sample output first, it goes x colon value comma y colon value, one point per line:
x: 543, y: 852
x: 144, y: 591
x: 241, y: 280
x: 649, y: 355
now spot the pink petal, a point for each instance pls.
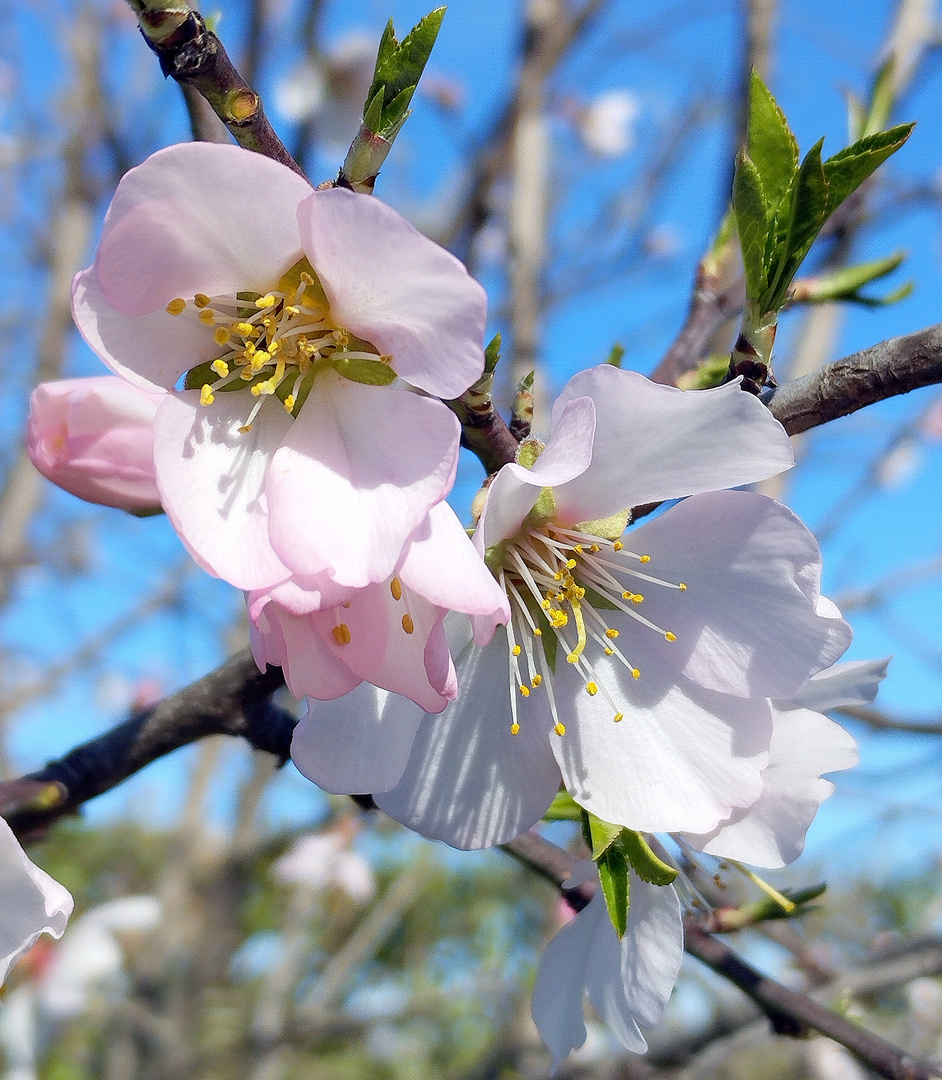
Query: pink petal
x: 150, y: 351
x: 356, y: 475
x: 393, y: 287
x: 656, y: 442
x: 198, y: 217
x: 212, y: 479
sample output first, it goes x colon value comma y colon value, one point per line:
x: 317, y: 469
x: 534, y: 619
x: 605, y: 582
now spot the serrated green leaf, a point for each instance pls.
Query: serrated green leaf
x: 848, y: 169
x: 613, y: 874
x: 807, y: 211
x: 644, y: 862
x: 602, y: 834
x: 844, y: 284
x: 492, y: 353
x: 772, y: 146
x: 753, y: 222
x: 396, y: 113
x: 373, y: 113
x: 400, y: 65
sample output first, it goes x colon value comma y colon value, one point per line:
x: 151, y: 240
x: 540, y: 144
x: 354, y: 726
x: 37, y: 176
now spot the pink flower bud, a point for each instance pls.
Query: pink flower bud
x: 95, y: 438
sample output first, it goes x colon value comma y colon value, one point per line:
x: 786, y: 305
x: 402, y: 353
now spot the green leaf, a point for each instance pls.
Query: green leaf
x: 644, y: 862
x: 373, y: 113
x: 881, y: 99
x: 548, y: 638
x: 613, y: 874
x: 846, y: 283
x: 492, y: 353
x: 396, y: 113
x: 399, y: 66
x: 771, y: 144
x: 847, y: 170
x: 807, y: 210
x: 563, y: 808
x: 753, y: 222
x: 602, y: 834
x: 368, y: 372
x: 616, y: 355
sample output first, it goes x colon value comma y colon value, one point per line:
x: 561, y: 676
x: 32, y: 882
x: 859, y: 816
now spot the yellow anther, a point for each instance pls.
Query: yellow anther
x: 207, y: 397
x: 245, y: 329
x: 595, y: 549
x: 221, y: 335
x: 572, y: 658
x: 682, y: 587
x: 617, y: 546
x: 627, y: 596
x: 638, y: 598
x: 407, y: 624
x: 201, y: 300
x: 571, y: 564
x: 395, y: 587
x: 545, y: 605
x: 525, y: 691
x: 265, y: 301
x: 591, y: 689
x: 537, y: 679
x: 245, y: 429
x: 516, y: 650
x: 611, y: 633
x: 578, y: 549
x: 537, y: 632
x: 645, y: 558
x: 290, y: 309
x: 618, y: 717
x: 341, y: 634
x: 560, y: 728
x: 176, y: 306
x: 207, y: 316
x: 514, y: 729
x: 260, y: 359
x: 635, y: 673
x: 306, y: 278
x: 670, y: 637
x: 558, y: 576
x: 220, y: 367
x: 609, y: 652
x: 289, y: 403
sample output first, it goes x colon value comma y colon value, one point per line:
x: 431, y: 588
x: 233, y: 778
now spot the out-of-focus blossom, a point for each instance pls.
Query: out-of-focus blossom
x: 628, y: 982
x: 330, y: 89
x: 289, y: 313
x: 95, y: 438
x: 607, y: 124
x: 390, y: 634
x: 653, y: 707
x: 326, y: 860
x: 90, y: 959
x: 31, y: 903
x: 899, y: 466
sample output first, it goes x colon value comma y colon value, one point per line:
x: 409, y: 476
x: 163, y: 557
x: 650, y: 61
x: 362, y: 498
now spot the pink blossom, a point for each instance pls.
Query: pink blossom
x: 95, y: 438
x: 330, y: 639
x: 289, y: 312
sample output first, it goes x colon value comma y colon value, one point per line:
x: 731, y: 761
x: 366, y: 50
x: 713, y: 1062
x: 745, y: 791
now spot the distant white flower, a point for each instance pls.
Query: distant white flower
x: 628, y: 982
x: 607, y: 124
x: 321, y: 860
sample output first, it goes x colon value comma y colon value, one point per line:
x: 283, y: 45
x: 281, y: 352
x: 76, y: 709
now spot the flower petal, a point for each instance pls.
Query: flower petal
x: 212, y: 478
x: 150, y: 351
x: 681, y: 754
x: 31, y: 902
x: 771, y: 832
x: 358, y: 744
x: 470, y: 782
x: 198, y: 217
x: 853, y: 683
x: 355, y: 476
x: 397, y: 289
x: 656, y: 442
x: 467, y: 586
x: 514, y: 490
x: 747, y: 623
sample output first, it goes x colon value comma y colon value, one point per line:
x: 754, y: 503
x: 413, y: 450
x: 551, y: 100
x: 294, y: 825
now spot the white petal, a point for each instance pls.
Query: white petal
x: 212, y: 482
x: 469, y: 781
x: 656, y: 442
x: 771, y: 833
x: 681, y: 754
x: 652, y: 949
x: 358, y: 744
x: 853, y: 683
x: 30, y: 901
x: 748, y: 622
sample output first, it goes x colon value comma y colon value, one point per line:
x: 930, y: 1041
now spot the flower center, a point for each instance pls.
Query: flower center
x: 560, y: 582
x: 277, y: 343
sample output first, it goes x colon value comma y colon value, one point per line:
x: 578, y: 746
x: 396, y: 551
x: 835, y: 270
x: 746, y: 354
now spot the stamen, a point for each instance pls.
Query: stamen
x: 407, y: 624
x: 341, y: 634
x: 176, y: 306
x: 395, y: 587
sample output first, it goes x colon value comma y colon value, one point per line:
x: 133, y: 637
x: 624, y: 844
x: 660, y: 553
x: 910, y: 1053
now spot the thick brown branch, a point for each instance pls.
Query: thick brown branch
x: 191, y: 54
x: 232, y: 700
x: 883, y: 371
